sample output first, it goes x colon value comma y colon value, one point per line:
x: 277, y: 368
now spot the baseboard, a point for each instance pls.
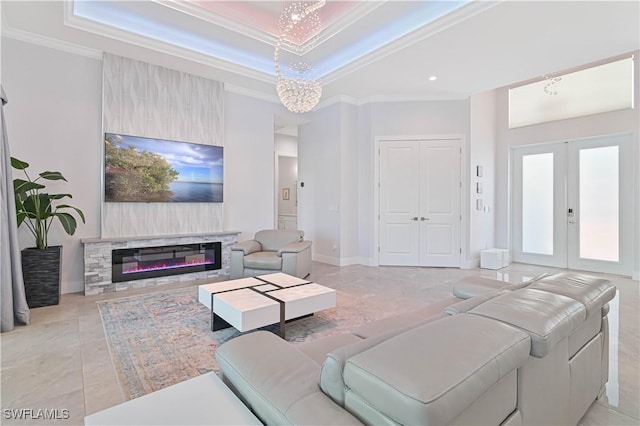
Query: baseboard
x: 470, y: 264
x: 341, y: 261
x: 331, y: 260
x: 346, y: 261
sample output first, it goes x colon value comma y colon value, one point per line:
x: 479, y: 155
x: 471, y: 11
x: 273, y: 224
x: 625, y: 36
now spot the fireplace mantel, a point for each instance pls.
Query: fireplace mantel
x: 98, y: 261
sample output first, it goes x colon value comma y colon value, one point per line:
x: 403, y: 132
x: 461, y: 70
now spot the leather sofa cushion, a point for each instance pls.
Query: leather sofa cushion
x: 547, y: 317
x: 473, y: 286
x: 274, y: 239
x: 278, y: 382
x: 432, y: 373
x: 403, y: 321
x: 332, y: 371
x: 592, y: 292
x: 263, y: 260
x: 318, y: 349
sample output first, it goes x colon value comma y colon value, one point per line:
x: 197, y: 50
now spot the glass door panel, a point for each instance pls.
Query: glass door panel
x: 537, y: 203
x: 600, y: 176
x: 599, y: 205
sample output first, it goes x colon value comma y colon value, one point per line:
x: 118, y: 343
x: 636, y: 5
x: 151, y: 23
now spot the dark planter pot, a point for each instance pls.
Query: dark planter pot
x: 41, y: 272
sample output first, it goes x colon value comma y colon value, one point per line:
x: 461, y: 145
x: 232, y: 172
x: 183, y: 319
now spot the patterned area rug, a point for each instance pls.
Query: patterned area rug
x: 160, y: 339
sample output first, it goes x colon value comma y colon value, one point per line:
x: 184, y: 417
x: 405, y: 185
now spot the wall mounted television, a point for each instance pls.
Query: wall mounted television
x: 138, y: 169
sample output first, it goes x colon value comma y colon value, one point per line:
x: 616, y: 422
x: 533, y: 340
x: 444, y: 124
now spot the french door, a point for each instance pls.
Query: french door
x: 419, y: 208
x: 571, y: 204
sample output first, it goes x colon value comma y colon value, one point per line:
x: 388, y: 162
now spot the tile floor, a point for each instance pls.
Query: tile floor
x: 61, y: 361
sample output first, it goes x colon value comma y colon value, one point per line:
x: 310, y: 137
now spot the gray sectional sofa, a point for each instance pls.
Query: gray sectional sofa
x: 531, y: 354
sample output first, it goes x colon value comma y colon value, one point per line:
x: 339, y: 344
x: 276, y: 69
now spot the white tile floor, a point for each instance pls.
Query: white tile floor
x: 61, y: 361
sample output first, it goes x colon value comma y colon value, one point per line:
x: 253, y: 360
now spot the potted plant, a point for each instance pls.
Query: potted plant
x: 37, y: 211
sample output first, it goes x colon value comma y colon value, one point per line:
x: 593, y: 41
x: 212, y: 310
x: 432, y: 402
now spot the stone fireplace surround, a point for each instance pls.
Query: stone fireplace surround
x: 97, y: 259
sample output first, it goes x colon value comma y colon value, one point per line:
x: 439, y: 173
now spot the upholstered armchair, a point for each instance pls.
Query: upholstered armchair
x: 272, y: 250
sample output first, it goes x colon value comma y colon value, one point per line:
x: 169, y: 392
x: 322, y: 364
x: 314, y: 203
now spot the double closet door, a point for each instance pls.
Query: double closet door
x: 419, y: 202
x: 572, y: 204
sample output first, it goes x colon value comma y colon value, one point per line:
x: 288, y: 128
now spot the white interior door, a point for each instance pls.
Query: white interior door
x: 571, y: 204
x: 399, y: 203
x: 420, y: 191
x: 440, y: 203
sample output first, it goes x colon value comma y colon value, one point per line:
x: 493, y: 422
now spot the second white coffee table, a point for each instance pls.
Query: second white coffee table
x: 251, y: 303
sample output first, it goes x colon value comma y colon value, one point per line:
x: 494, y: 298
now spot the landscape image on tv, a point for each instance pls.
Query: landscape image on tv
x: 138, y: 169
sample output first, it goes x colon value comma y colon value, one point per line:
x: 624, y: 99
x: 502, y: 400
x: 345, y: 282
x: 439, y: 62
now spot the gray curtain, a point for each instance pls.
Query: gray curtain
x: 13, y: 302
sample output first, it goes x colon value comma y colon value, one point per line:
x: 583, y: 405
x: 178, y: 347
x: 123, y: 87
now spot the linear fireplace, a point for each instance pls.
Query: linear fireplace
x: 149, y: 262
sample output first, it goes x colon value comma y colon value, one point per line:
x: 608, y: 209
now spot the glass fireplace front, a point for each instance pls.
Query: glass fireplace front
x: 150, y: 262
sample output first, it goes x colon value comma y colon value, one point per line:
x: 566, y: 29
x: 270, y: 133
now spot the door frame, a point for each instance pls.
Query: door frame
x: 559, y: 257
x: 625, y: 180
x: 627, y: 252
x: 464, y: 192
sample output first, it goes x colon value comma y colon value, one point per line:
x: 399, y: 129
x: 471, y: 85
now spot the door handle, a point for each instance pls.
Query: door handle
x: 415, y: 218
x: 422, y: 218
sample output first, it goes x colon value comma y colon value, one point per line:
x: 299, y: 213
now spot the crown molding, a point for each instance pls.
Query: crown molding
x: 338, y: 99
x: 328, y: 31
x: 209, y: 16
x: 412, y: 98
x: 343, y: 99
x: 49, y: 42
x: 71, y: 20
x: 232, y: 88
x: 344, y: 21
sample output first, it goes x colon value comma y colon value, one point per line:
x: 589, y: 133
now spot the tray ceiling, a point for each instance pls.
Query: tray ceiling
x: 367, y: 49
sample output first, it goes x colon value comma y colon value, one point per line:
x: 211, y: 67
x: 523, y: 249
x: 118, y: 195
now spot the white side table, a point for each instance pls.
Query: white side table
x: 494, y: 258
x: 203, y: 400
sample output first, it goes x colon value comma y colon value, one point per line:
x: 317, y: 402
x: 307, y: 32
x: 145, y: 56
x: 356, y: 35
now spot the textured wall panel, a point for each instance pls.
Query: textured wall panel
x: 142, y: 99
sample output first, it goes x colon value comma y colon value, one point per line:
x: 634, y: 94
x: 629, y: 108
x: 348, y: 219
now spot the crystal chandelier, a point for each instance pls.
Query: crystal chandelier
x: 551, y: 85
x: 298, y: 88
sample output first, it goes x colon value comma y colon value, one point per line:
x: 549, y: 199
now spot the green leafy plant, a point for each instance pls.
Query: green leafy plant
x: 36, y: 209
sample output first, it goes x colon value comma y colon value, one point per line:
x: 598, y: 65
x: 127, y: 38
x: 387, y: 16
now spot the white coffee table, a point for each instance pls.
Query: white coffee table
x: 250, y: 303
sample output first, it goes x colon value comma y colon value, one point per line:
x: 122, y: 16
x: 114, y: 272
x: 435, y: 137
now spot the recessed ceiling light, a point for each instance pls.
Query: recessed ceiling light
x: 433, y: 78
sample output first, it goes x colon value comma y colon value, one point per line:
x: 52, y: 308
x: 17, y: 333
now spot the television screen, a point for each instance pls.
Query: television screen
x: 156, y: 170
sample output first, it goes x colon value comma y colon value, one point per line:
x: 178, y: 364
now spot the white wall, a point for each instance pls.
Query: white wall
x: 482, y: 152
x: 349, y: 195
x: 400, y: 119
x: 249, y: 165
x: 625, y: 121
x: 365, y: 152
x: 286, y: 145
x: 337, y: 161
x: 319, y: 157
x: 54, y: 122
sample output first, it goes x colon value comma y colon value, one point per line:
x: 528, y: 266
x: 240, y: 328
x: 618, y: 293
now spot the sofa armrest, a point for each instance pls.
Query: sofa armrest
x: 296, y: 247
x: 248, y: 247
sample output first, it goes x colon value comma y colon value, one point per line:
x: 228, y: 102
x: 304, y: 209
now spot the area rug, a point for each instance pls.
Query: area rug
x: 159, y: 339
